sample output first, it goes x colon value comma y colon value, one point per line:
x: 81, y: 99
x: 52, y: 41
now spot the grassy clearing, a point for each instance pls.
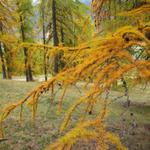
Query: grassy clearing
x: 37, y: 135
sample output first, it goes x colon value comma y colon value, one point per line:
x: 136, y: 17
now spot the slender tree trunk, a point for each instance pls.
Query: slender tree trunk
x: 62, y: 34
x: 3, y: 63
x: 28, y: 70
x: 30, y: 73
x: 2, y: 58
x: 60, y: 55
x: 44, y: 40
x: 115, y: 9
x: 135, y: 3
x: 55, y: 36
x: 109, y: 7
x: 8, y: 62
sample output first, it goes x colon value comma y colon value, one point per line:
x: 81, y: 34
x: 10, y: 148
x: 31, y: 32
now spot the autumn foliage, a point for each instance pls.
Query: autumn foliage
x: 99, y: 63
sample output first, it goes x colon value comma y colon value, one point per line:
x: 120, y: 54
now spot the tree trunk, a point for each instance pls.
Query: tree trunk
x: 4, y: 74
x: 2, y: 57
x: 62, y: 34
x: 8, y: 62
x: 55, y: 36
x: 62, y: 64
x: 28, y: 71
x: 44, y: 40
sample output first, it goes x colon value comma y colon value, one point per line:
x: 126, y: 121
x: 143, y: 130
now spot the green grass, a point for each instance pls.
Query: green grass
x: 44, y: 130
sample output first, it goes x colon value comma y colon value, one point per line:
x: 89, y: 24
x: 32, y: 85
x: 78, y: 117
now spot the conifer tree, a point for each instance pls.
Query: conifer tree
x: 8, y: 19
x: 42, y: 7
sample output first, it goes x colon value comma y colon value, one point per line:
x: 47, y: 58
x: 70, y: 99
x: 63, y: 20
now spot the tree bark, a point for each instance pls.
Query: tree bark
x: 44, y: 40
x: 8, y: 62
x: 4, y: 74
x: 62, y: 34
x: 55, y: 36
x: 62, y: 64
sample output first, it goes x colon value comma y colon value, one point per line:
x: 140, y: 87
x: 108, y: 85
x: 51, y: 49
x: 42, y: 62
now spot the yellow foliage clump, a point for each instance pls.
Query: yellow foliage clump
x: 138, y: 11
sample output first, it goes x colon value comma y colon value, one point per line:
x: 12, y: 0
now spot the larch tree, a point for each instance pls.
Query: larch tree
x: 68, y: 19
x: 8, y: 19
x: 63, y: 21
x: 42, y: 10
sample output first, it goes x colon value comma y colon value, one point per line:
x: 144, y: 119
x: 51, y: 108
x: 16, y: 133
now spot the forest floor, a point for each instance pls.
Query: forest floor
x: 131, y: 124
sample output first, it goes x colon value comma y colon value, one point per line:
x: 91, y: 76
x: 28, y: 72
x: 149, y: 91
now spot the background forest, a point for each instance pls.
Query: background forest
x: 44, y: 22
